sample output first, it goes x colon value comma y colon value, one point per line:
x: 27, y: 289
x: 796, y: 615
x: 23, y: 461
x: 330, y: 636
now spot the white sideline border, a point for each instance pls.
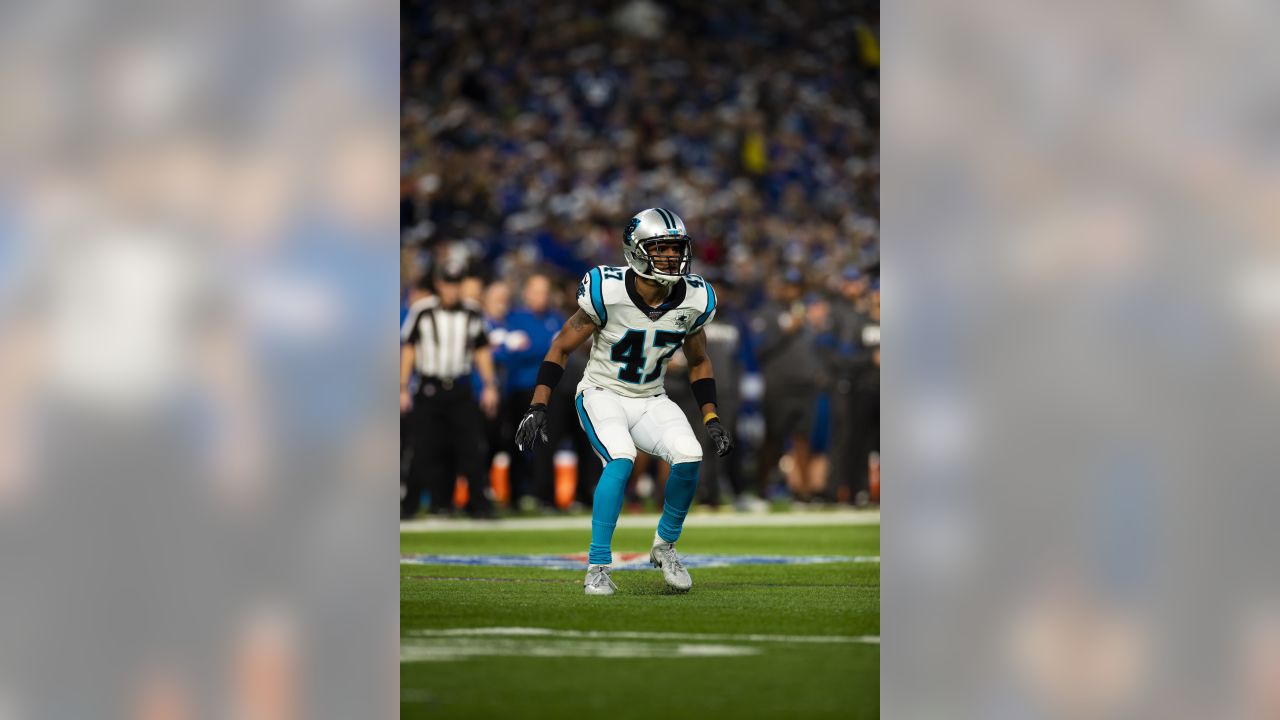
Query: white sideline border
x: 467, y: 648
x: 533, y: 632
x: 700, y: 520
x: 455, y: 644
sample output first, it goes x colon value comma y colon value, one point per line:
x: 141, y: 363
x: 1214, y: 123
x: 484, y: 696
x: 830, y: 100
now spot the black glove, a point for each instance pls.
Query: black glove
x: 532, y: 426
x: 720, y: 436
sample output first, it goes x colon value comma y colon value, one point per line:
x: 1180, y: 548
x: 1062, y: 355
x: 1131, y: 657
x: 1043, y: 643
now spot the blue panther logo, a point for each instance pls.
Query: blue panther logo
x: 626, y: 236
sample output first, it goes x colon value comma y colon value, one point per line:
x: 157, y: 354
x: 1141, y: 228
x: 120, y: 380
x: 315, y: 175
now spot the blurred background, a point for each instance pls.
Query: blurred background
x: 532, y: 132
x: 1084, y: 388
x: 197, y: 208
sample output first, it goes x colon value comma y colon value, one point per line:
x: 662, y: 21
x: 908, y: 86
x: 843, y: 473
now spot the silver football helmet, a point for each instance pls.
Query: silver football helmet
x: 645, y: 231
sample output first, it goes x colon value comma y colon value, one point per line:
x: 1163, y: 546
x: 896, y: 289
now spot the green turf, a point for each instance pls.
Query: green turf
x: 830, y: 540
x: 783, y: 680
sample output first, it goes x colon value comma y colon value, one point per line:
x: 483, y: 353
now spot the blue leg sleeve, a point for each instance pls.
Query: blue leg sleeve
x: 682, y: 481
x: 605, y: 510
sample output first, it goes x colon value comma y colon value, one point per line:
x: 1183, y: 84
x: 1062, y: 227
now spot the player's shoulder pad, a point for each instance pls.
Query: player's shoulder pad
x: 701, y: 298
x: 613, y: 276
x: 599, y: 289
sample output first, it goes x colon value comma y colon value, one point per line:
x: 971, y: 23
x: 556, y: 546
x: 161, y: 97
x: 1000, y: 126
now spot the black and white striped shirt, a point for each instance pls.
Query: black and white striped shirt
x: 444, y: 338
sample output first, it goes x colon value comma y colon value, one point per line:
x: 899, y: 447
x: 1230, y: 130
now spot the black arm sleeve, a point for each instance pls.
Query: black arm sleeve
x: 704, y: 391
x: 549, y: 374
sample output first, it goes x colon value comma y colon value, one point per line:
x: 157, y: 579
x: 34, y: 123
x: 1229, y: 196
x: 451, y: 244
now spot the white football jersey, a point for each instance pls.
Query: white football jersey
x: 633, y: 341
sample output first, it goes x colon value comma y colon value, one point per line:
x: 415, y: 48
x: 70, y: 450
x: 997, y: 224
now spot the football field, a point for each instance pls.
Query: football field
x: 783, y: 620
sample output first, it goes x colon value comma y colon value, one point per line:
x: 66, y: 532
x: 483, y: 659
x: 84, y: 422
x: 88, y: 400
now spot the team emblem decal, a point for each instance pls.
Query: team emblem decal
x: 682, y: 319
x: 626, y: 236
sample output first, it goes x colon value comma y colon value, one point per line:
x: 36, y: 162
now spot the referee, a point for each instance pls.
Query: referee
x: 441, y: 338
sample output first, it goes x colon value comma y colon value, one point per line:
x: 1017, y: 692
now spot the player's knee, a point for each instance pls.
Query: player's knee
x: 685, y: 448
x: 621, y: 466
x: 619, y: 446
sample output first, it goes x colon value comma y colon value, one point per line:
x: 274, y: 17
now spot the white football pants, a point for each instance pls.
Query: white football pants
x: 617, y: 426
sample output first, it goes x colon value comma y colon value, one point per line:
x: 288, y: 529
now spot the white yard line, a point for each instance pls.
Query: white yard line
x: 626, y: 561
x: 453, y: 649
x: 810, y: 519
x: 454, y: 644
x: 532, y: 632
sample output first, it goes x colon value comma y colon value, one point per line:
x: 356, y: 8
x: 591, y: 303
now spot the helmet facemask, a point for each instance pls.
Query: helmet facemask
x: 664, y: 267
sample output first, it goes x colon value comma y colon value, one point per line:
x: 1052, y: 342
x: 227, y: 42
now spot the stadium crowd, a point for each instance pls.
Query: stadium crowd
x: 531, y: 132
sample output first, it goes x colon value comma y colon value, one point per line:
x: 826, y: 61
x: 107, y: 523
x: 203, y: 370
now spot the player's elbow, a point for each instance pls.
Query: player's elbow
x: 557, y: 352
x: 701, y: 368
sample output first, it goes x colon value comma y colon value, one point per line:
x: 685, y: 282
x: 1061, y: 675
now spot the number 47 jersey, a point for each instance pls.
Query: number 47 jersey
x: 633, y: 341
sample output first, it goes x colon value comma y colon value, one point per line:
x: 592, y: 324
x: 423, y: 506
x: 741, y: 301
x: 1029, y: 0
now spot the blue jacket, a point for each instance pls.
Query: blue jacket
x: 496, y: 330
x: 522, y: 357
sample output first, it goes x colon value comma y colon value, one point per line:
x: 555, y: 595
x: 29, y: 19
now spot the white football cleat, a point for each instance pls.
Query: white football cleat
x: 598, y: 581
x: 663, y: 555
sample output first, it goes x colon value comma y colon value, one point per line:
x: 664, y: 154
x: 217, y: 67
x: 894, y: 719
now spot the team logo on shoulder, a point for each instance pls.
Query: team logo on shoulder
x: 682, y: 319
x: 626, y: 235
x: 582, y: 287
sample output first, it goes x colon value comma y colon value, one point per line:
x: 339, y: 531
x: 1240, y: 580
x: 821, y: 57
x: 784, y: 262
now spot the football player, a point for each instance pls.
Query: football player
x: 637, y: 316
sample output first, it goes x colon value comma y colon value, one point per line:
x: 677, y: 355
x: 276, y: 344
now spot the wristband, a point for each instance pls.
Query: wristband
x: 549, y: 374
x: 704, y: 391
x: 709, y: 417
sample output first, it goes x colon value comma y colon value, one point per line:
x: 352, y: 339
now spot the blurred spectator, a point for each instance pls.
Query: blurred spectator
x: 495, y: 304
x: 870, y: 388
x: 472, y: 291
x: 791, y: 380
x: 495, y: 307
x: 813, y: 482
x: 851, y: 352
x: 529, y: 332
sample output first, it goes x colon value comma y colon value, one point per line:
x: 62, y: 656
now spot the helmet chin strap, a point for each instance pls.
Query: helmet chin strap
x: 664, y: 278
x: 657, y: 277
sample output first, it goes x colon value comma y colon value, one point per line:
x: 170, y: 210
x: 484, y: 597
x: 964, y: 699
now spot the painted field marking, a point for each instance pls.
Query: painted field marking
x: 534, y: 632
x: 452, y: 644
x: 810, y: 519
x: 452, y: 649
x: 629, y: 561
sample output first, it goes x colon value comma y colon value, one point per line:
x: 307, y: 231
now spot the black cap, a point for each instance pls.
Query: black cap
x: 451, y: 272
